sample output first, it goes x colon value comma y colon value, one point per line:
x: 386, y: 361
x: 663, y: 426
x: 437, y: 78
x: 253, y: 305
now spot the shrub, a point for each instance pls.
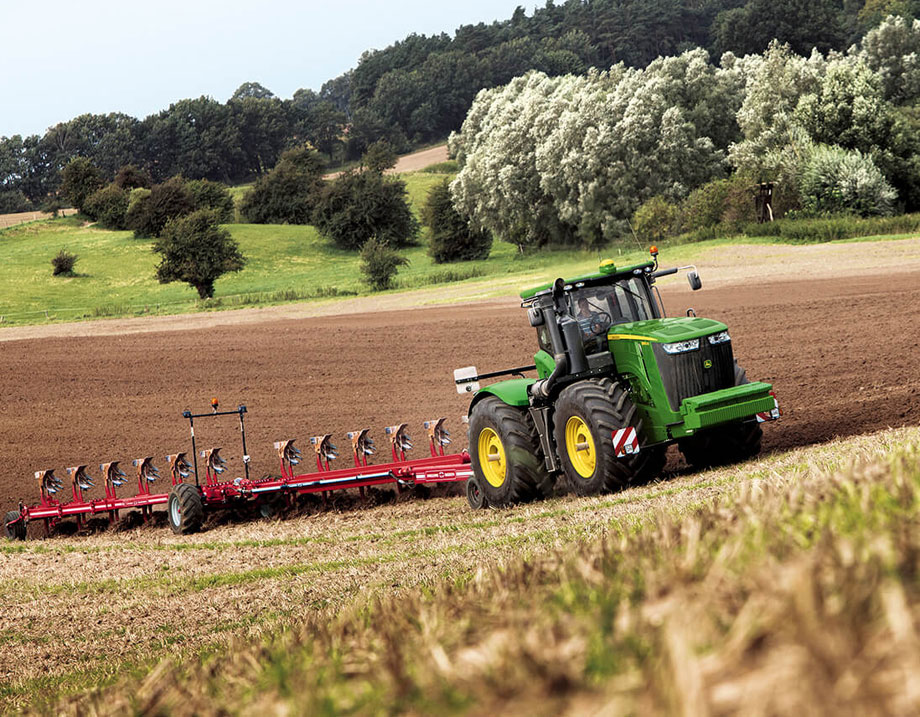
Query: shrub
x: 704, y: 208
x: 450, y: 166
x: 452, y: 238
x: 131, y: 177
x: 107, y: 206
x: 287, y: 194
x: 834, y: 228
x: 379, y: 263
x: 169, y: 200
x: 52, y: 206
x: 835, y: 180
x: 656, y: 219
x: 362, y: 204
x: 137, y: 201
x: 212, y: 195
x: 380, y: 156
x: 196, y: 250
x: 63, y: 263
x: 79, y: 179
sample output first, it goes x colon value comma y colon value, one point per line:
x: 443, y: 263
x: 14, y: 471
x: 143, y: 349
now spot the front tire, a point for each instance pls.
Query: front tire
x: 506, y: 455
x: 587, y: 414
x: 185, y: 509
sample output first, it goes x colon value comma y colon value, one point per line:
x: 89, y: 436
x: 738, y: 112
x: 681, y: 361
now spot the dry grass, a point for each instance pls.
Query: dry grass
x: 712, y: 593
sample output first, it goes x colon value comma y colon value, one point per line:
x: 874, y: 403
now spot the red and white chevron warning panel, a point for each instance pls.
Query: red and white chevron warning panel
x: 626, y: 441
x: 770, y: 415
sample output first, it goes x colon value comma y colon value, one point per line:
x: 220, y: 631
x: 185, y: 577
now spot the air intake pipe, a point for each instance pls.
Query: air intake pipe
x: 571, y: 332
x: 565, y: 335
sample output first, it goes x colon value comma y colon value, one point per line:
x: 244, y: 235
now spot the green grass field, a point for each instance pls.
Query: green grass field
x: 115, y: 272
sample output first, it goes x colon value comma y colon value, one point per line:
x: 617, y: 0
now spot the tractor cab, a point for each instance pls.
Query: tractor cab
x: 597, y: 305
x: 574, y: 318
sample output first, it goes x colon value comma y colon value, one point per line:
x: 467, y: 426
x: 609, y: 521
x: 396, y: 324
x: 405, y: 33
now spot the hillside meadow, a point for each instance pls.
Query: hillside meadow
x: 115, y: 273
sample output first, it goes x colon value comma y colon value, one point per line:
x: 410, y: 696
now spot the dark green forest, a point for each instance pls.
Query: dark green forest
x: 418, y: 89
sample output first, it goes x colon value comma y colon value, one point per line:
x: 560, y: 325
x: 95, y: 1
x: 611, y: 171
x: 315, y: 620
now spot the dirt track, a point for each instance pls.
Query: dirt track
x: 843, y: 355
x: 419, y: 160
x: 9, y: 220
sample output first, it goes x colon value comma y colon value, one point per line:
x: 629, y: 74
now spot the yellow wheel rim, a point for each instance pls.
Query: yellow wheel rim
x: 580, y: 447
x: 492, y: 457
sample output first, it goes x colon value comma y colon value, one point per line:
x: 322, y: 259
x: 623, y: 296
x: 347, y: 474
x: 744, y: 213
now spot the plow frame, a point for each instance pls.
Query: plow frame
x: 403, y: 472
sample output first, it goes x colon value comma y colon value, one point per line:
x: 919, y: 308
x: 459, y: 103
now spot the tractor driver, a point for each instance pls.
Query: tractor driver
x: 592, y: 322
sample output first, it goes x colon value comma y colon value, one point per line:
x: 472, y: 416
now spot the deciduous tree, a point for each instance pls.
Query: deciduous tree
x: 79, y: 179
x: 196, y: 250
x: 287, y: 194
x: 451, y: 238
x: 359, y: 205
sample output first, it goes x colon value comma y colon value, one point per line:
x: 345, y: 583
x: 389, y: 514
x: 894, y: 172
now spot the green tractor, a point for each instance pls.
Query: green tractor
x: 618, y: 382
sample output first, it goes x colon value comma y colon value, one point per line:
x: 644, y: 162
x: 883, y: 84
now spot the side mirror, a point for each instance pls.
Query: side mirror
x: 694, y: 279
x: 536, y: 317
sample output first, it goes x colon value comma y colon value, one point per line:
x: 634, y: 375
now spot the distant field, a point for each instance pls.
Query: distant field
x: 11, y: 220
x: 115, y: 272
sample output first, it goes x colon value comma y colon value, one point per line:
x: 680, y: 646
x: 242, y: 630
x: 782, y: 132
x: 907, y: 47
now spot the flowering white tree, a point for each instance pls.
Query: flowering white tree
x: 838, y: 180
x: 774, y: 85
x: 893, y: 51
x: 499, y: 186
x: 846, y: 107
x: 570, y: 159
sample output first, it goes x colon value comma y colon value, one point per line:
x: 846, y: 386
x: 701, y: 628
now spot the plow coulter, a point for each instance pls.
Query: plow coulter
x: 194, y: 490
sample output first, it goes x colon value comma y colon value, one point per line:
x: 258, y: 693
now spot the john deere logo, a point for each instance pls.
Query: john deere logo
x: 707, y: 364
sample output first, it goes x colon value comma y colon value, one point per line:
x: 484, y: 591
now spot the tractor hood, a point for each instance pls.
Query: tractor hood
x: 666, y: 331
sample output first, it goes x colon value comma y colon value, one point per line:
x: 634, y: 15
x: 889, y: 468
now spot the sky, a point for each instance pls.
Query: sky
x: 60, y: 59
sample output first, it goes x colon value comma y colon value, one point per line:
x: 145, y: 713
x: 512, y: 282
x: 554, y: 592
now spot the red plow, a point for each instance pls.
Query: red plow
x: 188, y: 503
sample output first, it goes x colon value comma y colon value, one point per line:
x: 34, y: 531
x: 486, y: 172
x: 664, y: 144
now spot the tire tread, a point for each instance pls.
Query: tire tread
x: 609, y: 405
x: 528, y: 477
x: 191, y: 507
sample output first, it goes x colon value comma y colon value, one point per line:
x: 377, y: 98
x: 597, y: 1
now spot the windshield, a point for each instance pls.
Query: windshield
x: 597, y: 308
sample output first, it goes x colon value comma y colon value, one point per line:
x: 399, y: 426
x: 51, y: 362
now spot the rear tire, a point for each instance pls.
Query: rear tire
x: 14, y: 531
x: 587, y: 414
x: 506, y: 455
x: 723, y: 445
x: 185, y: 509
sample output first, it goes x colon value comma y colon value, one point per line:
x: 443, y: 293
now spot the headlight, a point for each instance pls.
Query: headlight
x: 719, y: 338
x: 681, y: 346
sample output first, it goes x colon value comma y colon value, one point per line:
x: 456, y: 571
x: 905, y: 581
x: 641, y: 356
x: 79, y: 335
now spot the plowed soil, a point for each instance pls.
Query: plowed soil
x: 844, y: 356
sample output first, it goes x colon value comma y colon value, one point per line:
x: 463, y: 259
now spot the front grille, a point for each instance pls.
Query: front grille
x: 685, y: 375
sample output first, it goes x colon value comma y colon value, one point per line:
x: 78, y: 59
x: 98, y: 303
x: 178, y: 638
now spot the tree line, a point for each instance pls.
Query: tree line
x: 584, y: 159
x: 361, y: 210
x: 420, y: 88
x: 197, y: 138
